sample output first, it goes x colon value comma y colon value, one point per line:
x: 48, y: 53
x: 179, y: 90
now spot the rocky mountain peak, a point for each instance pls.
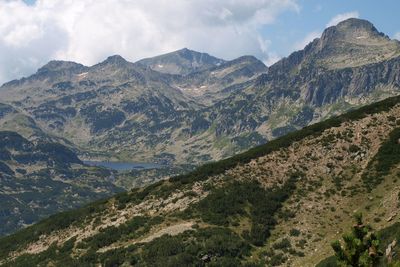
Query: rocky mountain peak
x: 251, y: 59
x: 185, y: 52
x: 60, y: 65
x: 115, y: 60
x: 355, y: 23
x: 350, y: 43
x: 357, y: 31
x: 183, y: 62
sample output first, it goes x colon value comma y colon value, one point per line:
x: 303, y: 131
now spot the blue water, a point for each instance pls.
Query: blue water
x: 123, y: 166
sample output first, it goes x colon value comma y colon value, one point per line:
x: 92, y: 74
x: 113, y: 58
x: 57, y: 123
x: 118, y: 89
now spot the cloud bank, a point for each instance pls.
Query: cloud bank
x: 87, y: 31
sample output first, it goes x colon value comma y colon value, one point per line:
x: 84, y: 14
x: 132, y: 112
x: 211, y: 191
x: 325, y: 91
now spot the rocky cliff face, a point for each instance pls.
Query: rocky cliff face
x: 198, y: 108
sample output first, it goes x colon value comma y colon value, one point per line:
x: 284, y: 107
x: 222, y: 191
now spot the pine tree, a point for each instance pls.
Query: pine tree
x: 360, y: 246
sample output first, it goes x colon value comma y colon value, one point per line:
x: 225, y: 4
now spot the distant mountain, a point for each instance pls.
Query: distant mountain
x: 279, y: 204
x: 182, y: 62
x: 197, y: 108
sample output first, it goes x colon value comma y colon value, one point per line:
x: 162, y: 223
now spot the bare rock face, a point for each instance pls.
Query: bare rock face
x: 389, y: 250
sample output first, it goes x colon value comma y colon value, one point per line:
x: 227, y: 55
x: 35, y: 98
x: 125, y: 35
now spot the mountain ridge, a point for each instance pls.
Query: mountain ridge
x: 264, y: 100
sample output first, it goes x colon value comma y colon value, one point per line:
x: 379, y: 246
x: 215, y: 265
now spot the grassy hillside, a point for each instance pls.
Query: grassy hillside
x: 281, y: 203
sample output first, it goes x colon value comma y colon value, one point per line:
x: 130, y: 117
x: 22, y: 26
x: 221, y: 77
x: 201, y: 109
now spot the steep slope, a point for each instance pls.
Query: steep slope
x: 277, y: 204
x: 182, y: 62
x: 40, y: 178
x: 210, y: 109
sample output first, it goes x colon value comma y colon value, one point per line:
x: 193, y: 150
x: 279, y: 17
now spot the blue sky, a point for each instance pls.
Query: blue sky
x: 30, y: 2
x: 88, y: 31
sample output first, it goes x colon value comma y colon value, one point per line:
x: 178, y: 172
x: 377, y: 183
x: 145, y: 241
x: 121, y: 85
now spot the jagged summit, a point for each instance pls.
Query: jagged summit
x: 246, y: 58
x: 183, y: 61
x: 356, y: 23
x: 114, y: 60
x: 356, y: 31
x: 59, y: 65
x: 185, y: 52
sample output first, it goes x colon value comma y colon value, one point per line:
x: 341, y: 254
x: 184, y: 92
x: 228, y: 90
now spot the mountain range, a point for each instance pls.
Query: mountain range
x: 279, y: 203
x: 190, y: 107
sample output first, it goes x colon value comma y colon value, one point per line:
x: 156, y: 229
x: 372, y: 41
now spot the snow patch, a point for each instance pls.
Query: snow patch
x: 82, y: 75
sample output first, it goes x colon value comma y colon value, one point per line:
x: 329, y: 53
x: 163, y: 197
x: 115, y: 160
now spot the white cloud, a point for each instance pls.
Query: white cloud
x: 340, y: 17
x: 397, y: 36
x: 87, y: 31
x: 306, y: 40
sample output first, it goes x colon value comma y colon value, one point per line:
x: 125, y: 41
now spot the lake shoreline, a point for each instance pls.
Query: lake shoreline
x: 123, y: 166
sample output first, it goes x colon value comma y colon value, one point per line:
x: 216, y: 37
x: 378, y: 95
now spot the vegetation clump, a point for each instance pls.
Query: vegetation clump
x: 226, y: 205
x: 361, y: 247
x: 364, y: 248
x: 383, y: 162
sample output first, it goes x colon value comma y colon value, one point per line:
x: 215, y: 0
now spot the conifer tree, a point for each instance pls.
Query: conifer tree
x: 360, y: 247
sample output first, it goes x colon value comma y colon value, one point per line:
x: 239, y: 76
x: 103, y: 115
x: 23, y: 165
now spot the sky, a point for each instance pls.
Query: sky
x: 33, y: 32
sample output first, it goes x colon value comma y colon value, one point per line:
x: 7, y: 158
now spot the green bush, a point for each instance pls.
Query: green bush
x: 225, y: 205
x: 294, y: 232
x: 284, y: 244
